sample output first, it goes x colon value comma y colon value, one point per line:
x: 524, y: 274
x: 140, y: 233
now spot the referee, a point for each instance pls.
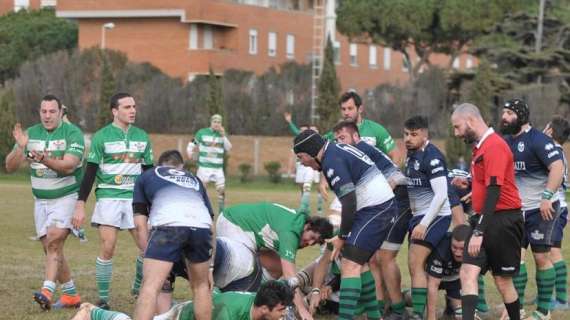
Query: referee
x: 498, y: 225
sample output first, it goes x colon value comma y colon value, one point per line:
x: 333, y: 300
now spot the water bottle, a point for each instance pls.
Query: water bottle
x: 81, y: 235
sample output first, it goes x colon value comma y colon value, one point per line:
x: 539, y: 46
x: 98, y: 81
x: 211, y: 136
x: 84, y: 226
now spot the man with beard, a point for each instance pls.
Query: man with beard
x: 428, y: 192
x: 498, y: 225
x: 368, y: 212
x: 539, y: 170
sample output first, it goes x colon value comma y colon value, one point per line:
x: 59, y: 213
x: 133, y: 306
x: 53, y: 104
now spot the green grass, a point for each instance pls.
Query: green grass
x: 21, y: 260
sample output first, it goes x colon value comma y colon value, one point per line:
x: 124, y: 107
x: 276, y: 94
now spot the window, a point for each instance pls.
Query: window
x: 208, y: 37
x: 353, y: 54
x: 336, y: 52
x: 387, y: 58
x: 372, y: 56
x: 252, y: 41
x: 290, y: 46
x: 456, y: 63
x: 193, y: 36
x: 272, y: 44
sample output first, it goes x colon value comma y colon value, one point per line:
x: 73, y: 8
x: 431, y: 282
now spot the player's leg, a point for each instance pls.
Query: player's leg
x: 376, y: 266
x: 561, y: 288
x: 135, y: 288
x: 156, y: 272
x: 197, y: 252
x: 87, y: 311
x: 220, y: 181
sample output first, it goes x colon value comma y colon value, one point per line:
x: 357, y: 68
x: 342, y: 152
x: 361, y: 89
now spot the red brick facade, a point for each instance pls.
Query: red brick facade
x: 185, y: 38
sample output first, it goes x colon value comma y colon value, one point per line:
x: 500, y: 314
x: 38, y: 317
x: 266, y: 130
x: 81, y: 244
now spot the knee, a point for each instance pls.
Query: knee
x: 221, y: 190
x: 467, y: 276
x: 542, y: 259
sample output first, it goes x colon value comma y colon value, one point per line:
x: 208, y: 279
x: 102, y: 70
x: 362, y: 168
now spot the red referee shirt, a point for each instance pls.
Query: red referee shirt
x: 492, y: 157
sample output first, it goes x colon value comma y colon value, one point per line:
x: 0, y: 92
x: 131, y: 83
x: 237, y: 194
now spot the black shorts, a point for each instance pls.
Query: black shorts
x: 174, y: 243
x: 501, y: 248
x: 452, y: 288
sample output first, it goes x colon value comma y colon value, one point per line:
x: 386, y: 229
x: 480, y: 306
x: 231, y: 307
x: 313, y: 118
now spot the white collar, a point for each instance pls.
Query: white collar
x: 485, y: 136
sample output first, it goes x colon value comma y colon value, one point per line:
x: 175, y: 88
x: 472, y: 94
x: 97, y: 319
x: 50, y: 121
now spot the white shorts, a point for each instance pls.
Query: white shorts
x: 305, y: 174
x: 54, y: 213
x: 208, y: 175
x: 226, y: 228
x: 336, y: 205
x: 114, y: 212
x: 239, y: 262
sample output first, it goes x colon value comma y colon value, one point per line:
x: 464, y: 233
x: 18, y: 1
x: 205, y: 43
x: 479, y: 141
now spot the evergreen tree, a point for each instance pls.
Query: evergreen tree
x: 108, y: 87
x: 7, y: 122
x: 482, y: 92
x: 215, y: 95
x: 328, y: 90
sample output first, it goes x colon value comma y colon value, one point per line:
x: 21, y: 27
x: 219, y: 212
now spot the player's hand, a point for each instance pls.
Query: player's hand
x: 475, y: 245
x: 305, y: 314
x: 460, y: 182
x: 314, y: 301
x: 326, y: 292
x: 337, y: 244
x: 222, y: 131
x: 37, y: 156
x: 78, y: 215
x: 466, y: 198
x: 546, y: 210
x: 323, y: 189
x: 419, y: 232
x: 287, y: 116
x: 20, y: 135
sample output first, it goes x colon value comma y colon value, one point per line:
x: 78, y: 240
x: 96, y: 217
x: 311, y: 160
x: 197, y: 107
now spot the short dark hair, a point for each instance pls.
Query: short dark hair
x: 306, y: 125
x: 272, y: 293
x: 171, y: 157
x: 461, y: 232
x: 351, y: 94
x: 560, y: 129
x: 114, y: 102
x: 320, y: 225
x: 416, y: 122
x: 51, y: 97
x: 348, y: 124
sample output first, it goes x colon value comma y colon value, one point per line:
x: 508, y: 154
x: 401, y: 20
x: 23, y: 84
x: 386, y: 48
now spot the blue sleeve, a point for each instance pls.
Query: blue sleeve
x: 545, y: 150
x: 139, y: 195
x: 338, y: 175
x: 206, y: 198
x: 434, y: 166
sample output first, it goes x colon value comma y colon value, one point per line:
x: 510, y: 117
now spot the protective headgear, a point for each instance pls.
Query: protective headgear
x: 520, y: 108
x: 309, y: 142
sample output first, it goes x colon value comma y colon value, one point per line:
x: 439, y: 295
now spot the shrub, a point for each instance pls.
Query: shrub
x: 272, y: 168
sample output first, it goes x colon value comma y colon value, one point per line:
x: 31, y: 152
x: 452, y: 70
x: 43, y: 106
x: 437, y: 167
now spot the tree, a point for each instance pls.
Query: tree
x: 483, y: 92
x: 424, y: 27
x: 329, y: 89
x: 108, y: 87
x: 455, y: 149
x: 26, y: 35
x: 7, y: 122
x: 215, y: 95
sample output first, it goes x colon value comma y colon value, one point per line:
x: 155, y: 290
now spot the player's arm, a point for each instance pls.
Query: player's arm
x: 84, y: 191
x: 17, y: 155
x: 72, y: 157
x: 319, y: 275
x: 555, y: 177
x: 190, y: 148
x: 292, y: 127
x: 433, y: 287
x: 439, y: 187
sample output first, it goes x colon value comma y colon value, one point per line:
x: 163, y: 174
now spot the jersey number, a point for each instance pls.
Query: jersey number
x: 357, y: 153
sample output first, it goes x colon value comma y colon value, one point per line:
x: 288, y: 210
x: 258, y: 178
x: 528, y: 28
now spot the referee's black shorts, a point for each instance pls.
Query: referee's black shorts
x: 502, y: 240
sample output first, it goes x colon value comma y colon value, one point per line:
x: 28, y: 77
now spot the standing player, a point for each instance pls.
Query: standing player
x: 119, y: 154
x: 346, y: 131
x: 54, y: 149
x: 538, y: 170
x: 175, y: 203
x: 212, y: 144
x: 368, y: 212
x: 275, y: 227
x: 497, y: 225
x: 559, y: 129
x: 428, y: 192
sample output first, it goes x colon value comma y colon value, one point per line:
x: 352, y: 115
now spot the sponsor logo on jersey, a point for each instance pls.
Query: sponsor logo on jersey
x: 520, y: 146
x: 537, y: 235
x: 416, y: 165
x: 434, y: 162
x: 414, y: 181
x: 508, y: 268
x: 175, y: 172
x: 369, y: 140
x: 437, y: 270
x: 334, y: 181
x: 520, y: 166
x: 436, y: 170
x: 552, y: 154
x: 548, y: 147
x: 330, y: 172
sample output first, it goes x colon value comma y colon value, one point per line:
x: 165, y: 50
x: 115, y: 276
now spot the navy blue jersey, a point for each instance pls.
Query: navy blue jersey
x: 564, y: 186
x: 533, y: 153
x: 382, y: 161
x: 458, y: 193
x: 175, y: 197
x: 440, y: 263
x: 423, y: 165
x: 348, y: 169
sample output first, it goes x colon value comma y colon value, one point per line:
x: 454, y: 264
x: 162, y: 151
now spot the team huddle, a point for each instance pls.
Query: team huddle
x: 240, y: 261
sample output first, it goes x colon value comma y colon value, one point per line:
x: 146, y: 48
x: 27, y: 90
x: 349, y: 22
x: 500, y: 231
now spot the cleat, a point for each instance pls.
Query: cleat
x: 560, y: 306
x: 43, y: 299
x: 67, y: 301
x: 103, y: 305
x: 537, y: 315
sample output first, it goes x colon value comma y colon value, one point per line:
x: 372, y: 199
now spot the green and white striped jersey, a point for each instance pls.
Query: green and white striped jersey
x: 210, y: 147
x: 65, y: 139
x: 120, y: 156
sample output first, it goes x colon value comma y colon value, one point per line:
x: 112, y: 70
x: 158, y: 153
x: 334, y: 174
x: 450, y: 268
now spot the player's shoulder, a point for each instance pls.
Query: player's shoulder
x: 106, y: 130
x: 431, y: 151
x: 71, y: 128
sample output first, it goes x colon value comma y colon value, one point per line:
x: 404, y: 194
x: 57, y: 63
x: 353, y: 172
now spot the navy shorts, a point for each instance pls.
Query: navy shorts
x: 559, y: 228
x: 174, y: 243
x: 399, y: 229
x: 370, y: 228
x: 539, y: 233
x: 452, y: 288
x: 434, y: 233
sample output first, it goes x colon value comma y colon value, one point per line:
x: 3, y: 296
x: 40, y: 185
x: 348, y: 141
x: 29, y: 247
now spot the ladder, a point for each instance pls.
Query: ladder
x: 317, y: 55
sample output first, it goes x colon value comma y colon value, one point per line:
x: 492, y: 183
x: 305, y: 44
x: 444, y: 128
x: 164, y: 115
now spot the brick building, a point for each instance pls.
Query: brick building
x: 17, y: 5
x: 185, y: 38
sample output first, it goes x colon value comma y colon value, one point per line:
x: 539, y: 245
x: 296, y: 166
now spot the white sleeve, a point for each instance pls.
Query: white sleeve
x: 439, y: 187
x: 227, y: 144
x: 190, y: 149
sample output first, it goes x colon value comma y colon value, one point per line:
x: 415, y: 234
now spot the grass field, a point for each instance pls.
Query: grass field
x: 21, y: 260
